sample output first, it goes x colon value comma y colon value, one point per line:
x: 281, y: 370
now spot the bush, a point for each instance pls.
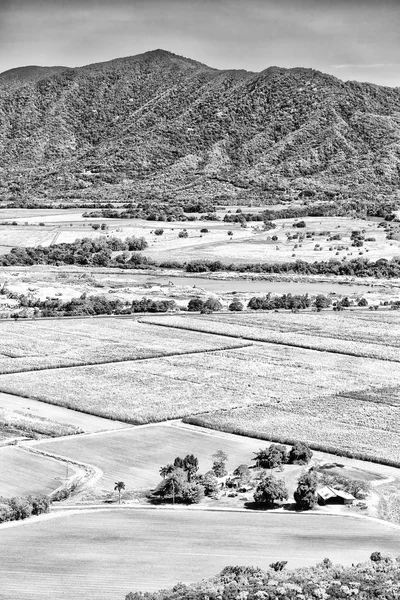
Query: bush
x: 235, y: 305
x: 183, y: 234
x: 158, y: 231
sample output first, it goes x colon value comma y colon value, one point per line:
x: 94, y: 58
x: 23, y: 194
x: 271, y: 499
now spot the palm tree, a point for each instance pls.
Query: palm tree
x: 167, y: 470
x: 119, y: 486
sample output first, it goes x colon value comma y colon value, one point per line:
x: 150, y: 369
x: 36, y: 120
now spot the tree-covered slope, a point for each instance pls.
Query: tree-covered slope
x: 158, y: 121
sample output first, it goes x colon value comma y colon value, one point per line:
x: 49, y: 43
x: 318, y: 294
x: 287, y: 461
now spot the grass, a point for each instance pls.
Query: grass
x: 249, y: 246
x: 109, y: 554
x: 29, y: 346
x: 23, y: 473
x: 344, y: 333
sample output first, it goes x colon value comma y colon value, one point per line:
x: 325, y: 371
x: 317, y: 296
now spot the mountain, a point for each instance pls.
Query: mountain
x: 158, y: 123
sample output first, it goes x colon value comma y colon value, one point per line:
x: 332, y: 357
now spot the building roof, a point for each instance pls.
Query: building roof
x: 328, y: 492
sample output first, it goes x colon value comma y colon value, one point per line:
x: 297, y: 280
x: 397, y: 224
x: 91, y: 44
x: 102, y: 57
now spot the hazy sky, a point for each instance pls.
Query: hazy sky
x: 352, y: 39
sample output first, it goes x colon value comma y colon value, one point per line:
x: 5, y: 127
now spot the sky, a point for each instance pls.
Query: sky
x: 351, y: 39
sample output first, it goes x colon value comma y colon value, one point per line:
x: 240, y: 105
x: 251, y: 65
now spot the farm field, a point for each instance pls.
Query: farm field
x: 136, y: 455
x: 286, y: 382
x: 350, y: 333
x: 26, y: 346
x: 56, y: 419
x: 23, y: 473
x: 104, y: 555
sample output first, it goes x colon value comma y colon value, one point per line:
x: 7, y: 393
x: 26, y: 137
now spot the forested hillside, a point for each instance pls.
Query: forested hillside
x: 159, y: 124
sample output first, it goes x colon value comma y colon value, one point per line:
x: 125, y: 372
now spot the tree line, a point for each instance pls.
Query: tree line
x: 21, y: 507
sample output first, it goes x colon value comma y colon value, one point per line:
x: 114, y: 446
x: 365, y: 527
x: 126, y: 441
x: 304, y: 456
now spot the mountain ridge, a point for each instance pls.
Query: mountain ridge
x: 160, y: 123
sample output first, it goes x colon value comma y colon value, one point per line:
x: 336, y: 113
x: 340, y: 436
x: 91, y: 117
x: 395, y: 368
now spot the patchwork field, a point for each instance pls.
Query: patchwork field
x: 354, y: 333
x: 107, y: 554
x: 23, y: 473
x: 289, y: 383
x: 26, y: 346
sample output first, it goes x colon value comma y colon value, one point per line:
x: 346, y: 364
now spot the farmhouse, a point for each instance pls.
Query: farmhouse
x: 329, y: 495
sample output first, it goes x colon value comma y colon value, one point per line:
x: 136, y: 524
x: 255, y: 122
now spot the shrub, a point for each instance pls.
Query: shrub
x: 158, y: 231
x: 183, y: 233
x: 235, y: 305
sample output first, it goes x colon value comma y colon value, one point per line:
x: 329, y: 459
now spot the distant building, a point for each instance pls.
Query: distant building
x: 329, y: 495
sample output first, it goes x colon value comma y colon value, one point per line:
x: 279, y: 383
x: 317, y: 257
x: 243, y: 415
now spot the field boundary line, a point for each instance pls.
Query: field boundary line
x: 120, y: 360
x: 272, y: 342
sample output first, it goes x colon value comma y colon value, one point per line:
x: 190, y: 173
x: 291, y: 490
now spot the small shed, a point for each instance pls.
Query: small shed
x: 329, y: 495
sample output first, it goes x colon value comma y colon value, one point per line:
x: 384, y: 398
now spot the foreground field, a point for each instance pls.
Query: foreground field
x: 354, y: 333
x: 104, y: 555
x: 26, y: 346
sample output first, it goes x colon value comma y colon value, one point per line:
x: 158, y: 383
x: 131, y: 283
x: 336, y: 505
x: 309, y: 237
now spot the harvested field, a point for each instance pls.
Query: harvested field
x: 58, y: 416
x: 33, y: 424
x: 104, y: 555
x: 346, y: 333
x: 28, y: 346
x: 23, y: 473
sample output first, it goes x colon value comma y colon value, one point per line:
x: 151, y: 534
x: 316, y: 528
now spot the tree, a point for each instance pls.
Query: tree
x: 212, y: 304
x: 305, y: 495
x: 191, y: 466
x: 219, y: 463
x: 269, y: 491
x: 183, y: 233
x: 322, y: 301
x: 362, y: 302
x: 271, y: 457
x: 40, y: 504
x: 210, y: 483
x: 164, y: 471
x: 195, y: 304
x: 300, y: 454
x: 178, y: 463
x: 235, y: 305
x: 119, y: 486
x: 243, y: 472
x: 158, y: 231
x: 21, y: 508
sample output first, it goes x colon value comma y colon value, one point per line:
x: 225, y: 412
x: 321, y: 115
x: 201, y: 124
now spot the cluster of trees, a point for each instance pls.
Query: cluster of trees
x: 91, y: 306
x: 276, y: 455
x: 84, y: 252
x: 357, y: 267
x: 204, y: 306
x: 157, y: 211
x: 20, y: 507
x: 286, y: 301
x: 182, y: 483
x: 377, y: 578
